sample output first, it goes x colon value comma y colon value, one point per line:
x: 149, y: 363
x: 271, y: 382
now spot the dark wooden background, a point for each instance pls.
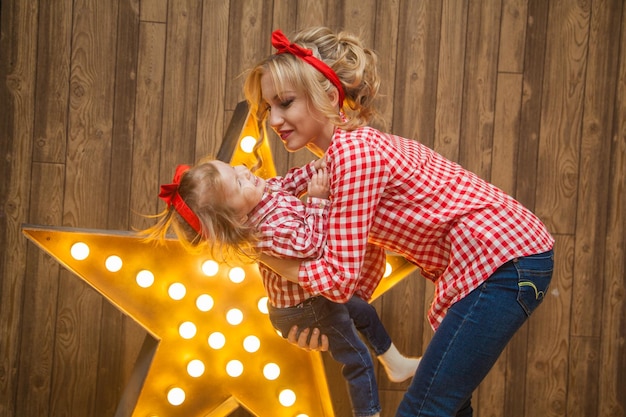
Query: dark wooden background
x: 99, y: 100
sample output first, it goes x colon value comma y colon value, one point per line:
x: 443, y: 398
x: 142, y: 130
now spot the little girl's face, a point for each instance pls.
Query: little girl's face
x: 242, y: 189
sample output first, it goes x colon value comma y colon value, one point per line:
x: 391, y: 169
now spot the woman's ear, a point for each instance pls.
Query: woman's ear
x: 333, y: 95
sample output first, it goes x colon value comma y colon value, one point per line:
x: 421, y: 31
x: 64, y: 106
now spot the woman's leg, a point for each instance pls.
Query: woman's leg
x: 472, y: 336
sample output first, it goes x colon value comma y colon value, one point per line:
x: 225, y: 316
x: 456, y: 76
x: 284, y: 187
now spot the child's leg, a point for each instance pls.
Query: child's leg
x: 397, y: 366
x: 345, y: 347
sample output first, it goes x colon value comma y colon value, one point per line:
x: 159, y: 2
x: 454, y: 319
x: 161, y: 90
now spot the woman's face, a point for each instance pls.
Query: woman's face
x: 297, y: 124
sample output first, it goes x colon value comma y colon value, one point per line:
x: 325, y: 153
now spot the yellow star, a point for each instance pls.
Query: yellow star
x: 199, y: 312
x: 212, y: 348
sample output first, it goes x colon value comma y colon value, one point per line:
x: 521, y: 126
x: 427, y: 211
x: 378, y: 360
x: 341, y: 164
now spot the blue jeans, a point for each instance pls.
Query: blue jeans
x: 472, y: 336
x: 339, y: 322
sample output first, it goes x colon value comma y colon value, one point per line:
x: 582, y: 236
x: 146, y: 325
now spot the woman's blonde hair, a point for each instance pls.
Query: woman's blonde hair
x: 355, y: 65
x: 224, y: 233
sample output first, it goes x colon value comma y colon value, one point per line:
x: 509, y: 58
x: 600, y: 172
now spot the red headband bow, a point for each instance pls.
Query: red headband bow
x: 282, y: 45
x: 169, y: 194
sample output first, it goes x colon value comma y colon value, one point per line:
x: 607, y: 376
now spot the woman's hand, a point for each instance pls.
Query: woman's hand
x: 317, y: 343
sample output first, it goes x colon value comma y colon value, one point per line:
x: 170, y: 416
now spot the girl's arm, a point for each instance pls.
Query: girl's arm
x: 299, y: 231
x: 296, y: 180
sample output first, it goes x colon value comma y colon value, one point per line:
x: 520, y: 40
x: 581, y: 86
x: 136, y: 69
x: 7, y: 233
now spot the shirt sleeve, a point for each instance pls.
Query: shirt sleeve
x: 358, y: 178
x: 295, y: 236
x: 296, y: 180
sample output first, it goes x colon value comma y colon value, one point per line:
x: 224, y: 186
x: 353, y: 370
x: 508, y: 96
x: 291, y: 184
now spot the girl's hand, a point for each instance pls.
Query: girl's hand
x: 320, y: 163
x: 319, y: 186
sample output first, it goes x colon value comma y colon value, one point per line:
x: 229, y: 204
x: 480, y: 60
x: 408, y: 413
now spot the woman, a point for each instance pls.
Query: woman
x: 489, y: 258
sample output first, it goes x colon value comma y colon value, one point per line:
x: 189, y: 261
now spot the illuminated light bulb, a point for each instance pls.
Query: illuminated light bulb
x: 195, y: 368
x: 176, y: 396
x: 187, y: 330
x: 210, y: 268
x: 177, y: 291
x: 217, y: 340
x: 234, y: 316
x: 287, y: 397
x: 302, y: 415
x: 113, y: 263
x: 204, y: 302
x: 237, y: 275
x: 247, y: 144
x: 388, y: 270
x: 145, y: 279
x: 79, y: 251
x: 262, y: 305
x: 271, y: 371
x: 251, y: 344
x: 234, y: 368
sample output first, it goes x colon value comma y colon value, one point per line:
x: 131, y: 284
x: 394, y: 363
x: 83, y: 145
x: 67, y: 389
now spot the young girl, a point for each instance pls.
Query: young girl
x: 236, y: 213
x: 489, y: 258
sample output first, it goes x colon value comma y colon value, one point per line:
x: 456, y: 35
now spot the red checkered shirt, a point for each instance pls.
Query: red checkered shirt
x: 292, y: 229
x: 401, y: 195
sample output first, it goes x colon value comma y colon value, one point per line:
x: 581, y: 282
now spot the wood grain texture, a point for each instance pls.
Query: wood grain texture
x: 18, y: 48
x: 561, y: 116
x: 52, y: 85
x: 451, y: 70
x: 479, y: 89
x: 100, y: 100
x: 40, y: 298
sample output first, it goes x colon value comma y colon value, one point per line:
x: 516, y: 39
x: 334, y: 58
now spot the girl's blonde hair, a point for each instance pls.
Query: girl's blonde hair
x: 224, y: 234
x: 355, y: 65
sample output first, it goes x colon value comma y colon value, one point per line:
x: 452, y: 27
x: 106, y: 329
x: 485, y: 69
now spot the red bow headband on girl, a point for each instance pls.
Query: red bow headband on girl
x: 282, y: 45
x: 169, y: 194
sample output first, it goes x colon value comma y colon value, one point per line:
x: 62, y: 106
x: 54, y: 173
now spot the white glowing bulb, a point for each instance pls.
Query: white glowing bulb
x: 388, y: 270
x: 195, y: 368
x: 187, y: 330
x: 204, y: 302
x: 251, y: 344
x: 302, y: 415
x: 234, y: 368
x: 217, y: 340
x: 234, y: 316
x: 144, y: 278
x: 176, y: 396
x: 262, y: 305
x: 113, y: 263
x: 247, y: 144
x: 210, y: 268
x: 177, y: 291
x: 79, y: 251
x: 287, y: 397
x: 237, y: 275
x: 271, y: 371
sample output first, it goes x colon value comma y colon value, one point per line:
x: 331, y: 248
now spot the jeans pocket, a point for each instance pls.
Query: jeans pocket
x: 534, y: 276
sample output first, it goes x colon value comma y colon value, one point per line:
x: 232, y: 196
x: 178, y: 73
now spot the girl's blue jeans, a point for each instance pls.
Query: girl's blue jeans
x: 339, y: 322
x: 472, y: 336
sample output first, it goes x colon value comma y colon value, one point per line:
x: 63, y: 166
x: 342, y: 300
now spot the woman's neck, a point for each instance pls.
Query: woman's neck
x: 320, y: 145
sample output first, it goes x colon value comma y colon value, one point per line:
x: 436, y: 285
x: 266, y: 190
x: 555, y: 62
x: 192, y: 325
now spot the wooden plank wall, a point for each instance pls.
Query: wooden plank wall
x: 100, y: 99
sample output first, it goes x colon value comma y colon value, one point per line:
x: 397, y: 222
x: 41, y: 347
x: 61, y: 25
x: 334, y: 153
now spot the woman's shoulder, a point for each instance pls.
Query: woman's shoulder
x: 362, y: 135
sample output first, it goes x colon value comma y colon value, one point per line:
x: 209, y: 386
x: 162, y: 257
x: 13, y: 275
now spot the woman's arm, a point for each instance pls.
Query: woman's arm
x: 287, y: 268
x: 358, y: 177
